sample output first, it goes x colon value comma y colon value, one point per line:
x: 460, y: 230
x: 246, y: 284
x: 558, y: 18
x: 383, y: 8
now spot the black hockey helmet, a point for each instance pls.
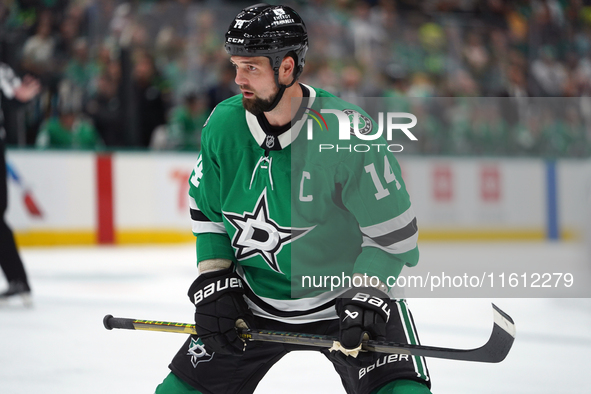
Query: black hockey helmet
x: 271, y: 31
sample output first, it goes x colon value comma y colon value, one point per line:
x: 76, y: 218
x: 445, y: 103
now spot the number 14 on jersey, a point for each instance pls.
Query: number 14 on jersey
x: 381, y: 191
x: 389, y: 177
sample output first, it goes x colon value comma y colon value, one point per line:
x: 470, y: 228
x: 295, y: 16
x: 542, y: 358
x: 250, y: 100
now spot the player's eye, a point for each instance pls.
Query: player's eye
x: 252, y: 68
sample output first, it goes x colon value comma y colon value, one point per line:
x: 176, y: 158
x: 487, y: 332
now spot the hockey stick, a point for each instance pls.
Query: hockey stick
x: 493, y: 351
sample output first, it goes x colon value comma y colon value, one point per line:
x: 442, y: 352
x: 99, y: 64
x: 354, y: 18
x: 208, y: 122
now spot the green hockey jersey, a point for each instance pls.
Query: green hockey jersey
x: 295, y: 216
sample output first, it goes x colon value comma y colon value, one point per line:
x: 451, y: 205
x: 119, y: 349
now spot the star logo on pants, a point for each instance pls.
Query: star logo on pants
x: 258, y: 234
x: 198, y: 352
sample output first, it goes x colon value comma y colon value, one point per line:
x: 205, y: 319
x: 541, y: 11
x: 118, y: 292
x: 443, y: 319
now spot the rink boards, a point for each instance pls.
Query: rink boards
x: 62, y: 198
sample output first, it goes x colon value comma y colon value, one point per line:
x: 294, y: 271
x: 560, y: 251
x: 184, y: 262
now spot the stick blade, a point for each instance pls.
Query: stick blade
x: 502, y: 337
x: 494, y: 350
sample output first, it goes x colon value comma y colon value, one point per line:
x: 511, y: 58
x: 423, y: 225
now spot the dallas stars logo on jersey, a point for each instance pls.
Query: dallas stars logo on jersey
x: 258, y: 234
x: 198, y: 352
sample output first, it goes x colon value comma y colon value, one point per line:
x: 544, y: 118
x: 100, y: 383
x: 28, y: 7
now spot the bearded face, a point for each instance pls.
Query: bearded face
x: 257, y: 105
x: 257, y: 81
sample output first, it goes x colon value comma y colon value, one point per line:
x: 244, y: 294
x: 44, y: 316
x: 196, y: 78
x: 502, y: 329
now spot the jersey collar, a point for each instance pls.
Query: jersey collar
x: 268, y: 141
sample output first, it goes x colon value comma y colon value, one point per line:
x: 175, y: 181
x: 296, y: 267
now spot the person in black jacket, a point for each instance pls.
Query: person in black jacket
x: 12, y: 87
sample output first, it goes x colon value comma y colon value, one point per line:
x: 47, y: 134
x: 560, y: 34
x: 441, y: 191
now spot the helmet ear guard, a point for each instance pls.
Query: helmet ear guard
x: 276, y: 64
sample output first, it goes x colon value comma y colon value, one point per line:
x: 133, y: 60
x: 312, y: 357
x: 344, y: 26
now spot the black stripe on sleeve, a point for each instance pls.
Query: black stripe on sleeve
x: 396, y: 236
x: 198, y: 216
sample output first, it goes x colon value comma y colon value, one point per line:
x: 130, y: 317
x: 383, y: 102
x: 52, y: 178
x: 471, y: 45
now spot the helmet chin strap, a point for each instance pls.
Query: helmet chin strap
x: 279, y: 94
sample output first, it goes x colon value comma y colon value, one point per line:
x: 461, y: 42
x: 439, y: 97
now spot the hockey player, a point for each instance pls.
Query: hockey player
x: 267, y: 210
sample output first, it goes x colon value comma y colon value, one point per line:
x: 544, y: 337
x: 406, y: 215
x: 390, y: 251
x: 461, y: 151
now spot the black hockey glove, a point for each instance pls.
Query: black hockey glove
x: 362, y: 310
x: 219, y: 303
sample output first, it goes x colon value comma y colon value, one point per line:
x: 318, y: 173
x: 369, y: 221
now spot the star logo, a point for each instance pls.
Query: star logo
x: 198, y: 353
x: 258, y: 234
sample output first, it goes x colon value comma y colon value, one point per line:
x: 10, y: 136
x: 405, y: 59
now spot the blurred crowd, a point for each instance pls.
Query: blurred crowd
x: 146, y: 74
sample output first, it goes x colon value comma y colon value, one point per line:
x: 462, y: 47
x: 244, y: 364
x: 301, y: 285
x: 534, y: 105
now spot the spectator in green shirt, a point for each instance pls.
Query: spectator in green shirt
x: 68, y: 130
x: 186, y: 122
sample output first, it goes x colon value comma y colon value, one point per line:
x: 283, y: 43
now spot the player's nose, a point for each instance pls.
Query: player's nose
x: 240, y: 79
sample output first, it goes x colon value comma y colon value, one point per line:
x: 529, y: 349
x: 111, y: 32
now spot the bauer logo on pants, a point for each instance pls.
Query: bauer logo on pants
x: 198, y: 352
x: 392, y: 358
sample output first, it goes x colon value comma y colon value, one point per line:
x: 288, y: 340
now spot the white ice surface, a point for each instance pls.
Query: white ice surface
x: 59, y: 346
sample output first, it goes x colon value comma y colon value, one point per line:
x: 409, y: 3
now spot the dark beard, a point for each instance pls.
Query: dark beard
x: 257, y: 105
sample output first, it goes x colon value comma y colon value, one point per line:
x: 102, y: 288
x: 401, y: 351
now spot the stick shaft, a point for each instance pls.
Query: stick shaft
x: 493, y: 351
x: 111, y: 322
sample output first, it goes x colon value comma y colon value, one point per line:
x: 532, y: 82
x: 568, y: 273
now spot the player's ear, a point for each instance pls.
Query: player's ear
x: 287, y: 69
